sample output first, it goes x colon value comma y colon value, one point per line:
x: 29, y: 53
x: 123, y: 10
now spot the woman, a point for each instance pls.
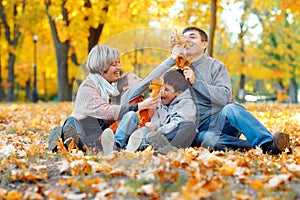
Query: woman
x: 95, y: 107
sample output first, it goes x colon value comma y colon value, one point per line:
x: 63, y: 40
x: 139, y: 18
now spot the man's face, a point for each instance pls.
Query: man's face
x: 197, y: 46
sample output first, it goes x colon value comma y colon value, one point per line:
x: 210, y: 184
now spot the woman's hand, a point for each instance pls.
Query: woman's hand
x: 150, y: 126
x: 149, y: 103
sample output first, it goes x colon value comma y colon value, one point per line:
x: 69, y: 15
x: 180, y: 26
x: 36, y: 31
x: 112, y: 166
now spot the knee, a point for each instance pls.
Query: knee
x: 232, y: 109
x: 188, y: 123
x: 212, y: 141
x: 131, y: 115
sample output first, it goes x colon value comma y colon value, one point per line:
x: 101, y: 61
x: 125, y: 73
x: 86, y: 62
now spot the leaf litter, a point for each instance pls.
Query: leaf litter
x: 30, y: 171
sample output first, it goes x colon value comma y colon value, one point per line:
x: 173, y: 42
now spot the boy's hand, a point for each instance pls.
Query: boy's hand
x: 189, y: 74
x: 150, y: 126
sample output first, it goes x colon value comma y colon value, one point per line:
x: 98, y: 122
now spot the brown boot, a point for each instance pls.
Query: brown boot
x: 280, y: 142
x: 69, y: 133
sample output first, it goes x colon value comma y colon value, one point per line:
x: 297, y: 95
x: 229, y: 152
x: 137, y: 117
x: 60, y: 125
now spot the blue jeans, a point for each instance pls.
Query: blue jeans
x: 88, y: 130
x: 127, y: 126
x: 222, y: 131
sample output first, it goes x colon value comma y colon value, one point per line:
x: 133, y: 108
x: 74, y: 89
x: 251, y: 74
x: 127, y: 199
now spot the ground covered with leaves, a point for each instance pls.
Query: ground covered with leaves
x: 30, y: 171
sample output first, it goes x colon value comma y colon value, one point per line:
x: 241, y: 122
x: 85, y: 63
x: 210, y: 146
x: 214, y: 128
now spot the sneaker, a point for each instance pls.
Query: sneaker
x: 69, y: 134
x: 280, y: 142
x: 107, y: 141
x: 160, y: 142
x: 135, y: 140
x: 54, y: 136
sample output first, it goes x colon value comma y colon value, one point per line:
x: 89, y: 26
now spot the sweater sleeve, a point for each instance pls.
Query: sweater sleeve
x: 90, y: 103
x: 185, y: 110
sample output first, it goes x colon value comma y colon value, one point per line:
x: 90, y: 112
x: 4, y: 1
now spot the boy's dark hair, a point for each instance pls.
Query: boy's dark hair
x: 202, y: 33
x: 176, y: 79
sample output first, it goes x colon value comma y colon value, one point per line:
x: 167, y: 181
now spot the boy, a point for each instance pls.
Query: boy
x: 172, y: 125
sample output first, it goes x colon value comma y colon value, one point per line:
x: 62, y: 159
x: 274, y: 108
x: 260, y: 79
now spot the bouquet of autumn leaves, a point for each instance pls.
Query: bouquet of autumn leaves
x: 177, y: 38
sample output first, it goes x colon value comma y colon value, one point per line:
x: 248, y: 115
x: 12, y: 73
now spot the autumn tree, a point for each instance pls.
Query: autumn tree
x: 279, y: 43
x: 212, y: 27
x: 11, y: 15
x: 70, y: 41
x: 292, y: 41
x: 2, y: 94
x: 243, y: 29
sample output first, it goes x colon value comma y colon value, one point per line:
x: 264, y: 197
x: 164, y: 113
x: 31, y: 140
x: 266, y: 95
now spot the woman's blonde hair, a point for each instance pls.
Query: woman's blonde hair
x: 100, y: 58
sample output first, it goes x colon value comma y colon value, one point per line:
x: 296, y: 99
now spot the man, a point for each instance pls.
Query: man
x: 221, y: 120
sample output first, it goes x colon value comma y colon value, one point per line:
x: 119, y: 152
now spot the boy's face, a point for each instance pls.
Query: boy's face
x: 167, y: 94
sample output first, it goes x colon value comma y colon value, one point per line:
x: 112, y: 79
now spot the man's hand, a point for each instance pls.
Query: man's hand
x: 176, y: 51
x: 189, y: 74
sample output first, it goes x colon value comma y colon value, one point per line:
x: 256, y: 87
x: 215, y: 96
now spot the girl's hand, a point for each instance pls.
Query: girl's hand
x: 149, y: 103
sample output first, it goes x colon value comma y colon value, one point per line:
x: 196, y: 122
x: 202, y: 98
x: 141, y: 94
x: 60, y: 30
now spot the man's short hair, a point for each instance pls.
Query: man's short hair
x: 202, y: 33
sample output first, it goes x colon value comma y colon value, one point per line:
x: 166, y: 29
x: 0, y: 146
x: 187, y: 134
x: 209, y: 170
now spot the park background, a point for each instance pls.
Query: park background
x: 44, y: 44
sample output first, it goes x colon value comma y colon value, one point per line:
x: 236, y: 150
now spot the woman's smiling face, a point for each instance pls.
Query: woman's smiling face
x: 112, y: 74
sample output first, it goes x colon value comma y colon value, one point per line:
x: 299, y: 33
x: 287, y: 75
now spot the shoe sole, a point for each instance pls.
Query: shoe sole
x: 135, y: 140
x: 69, y: 134
x: 54, y: 136
x: 107, y: 141
x: 160, y: 143
x: 157, y: 140
x: 282, y: 141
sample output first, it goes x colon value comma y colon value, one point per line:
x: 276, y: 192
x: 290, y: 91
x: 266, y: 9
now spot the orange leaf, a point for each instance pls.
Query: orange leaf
x: 256, y: 184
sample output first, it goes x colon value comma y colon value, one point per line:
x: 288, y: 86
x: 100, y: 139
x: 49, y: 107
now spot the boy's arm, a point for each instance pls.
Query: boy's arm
x: 184, y: 110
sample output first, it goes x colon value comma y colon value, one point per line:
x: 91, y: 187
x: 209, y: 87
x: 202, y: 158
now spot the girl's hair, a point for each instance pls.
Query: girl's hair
x: 124, y: 80
x: 176, y: 79
x: 100, y: 58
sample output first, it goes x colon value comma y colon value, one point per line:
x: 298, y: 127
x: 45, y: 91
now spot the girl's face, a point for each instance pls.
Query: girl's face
x: 133, y: 80
x: 112, y: 74
x: 167, y: 94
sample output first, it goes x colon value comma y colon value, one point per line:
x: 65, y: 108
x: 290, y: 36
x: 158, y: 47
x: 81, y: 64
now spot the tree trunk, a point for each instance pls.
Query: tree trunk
x: 27, y: 90
x: 64, y: 91
x: 213, y: 19
x: 242, y: 92
x: 61, y: 51
x: 293, y: 93
x: 13, y: 42
x: 94, y: 36
x: 11, y: 78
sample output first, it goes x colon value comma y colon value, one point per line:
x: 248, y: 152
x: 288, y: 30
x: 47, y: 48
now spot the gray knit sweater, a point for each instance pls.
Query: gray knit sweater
x: 212, y: 87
